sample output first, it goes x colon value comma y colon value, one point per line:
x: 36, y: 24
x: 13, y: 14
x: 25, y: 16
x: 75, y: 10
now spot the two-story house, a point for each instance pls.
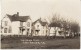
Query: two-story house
x: 40, y: 28
x: 16, y: 25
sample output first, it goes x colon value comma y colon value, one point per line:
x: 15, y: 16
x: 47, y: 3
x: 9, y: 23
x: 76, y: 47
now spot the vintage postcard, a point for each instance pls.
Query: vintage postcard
x: 40, y: 24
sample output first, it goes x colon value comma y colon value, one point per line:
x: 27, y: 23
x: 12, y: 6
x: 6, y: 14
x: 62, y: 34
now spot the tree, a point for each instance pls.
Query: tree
x: 66, y: 25
x: 75, y: 28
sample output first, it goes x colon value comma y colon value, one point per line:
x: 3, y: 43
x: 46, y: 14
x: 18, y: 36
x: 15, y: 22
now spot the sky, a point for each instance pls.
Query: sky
x: 68, y: 9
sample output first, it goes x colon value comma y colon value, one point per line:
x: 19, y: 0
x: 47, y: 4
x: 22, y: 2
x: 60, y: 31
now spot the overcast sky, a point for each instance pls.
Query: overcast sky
x: 68, y: 9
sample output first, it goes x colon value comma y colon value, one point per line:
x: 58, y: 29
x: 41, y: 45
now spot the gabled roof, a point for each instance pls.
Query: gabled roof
x: 41, y: 22
x: 16, y: 17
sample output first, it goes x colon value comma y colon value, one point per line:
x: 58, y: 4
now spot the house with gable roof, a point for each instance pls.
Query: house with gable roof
x: 16, y: 25
x: 58, y: 30
x: 40, y: 28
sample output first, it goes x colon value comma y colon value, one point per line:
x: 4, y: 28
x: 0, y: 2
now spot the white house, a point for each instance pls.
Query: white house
x: 40, y: 28
x: 57, y: 30
x: 54, y: 31
x: 16, y: 25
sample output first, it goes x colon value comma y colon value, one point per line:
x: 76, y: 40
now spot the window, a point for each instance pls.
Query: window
x: 5, y: 30
x: 6, y: 23
x: 28, y: 24
x: 37, y: 26
x: 21, y: 23
x: 28, y: 30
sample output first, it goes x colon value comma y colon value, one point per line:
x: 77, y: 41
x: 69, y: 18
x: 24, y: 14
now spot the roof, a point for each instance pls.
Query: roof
x: 54, y: 25
x: 16, y: 17
x: 41, y: 22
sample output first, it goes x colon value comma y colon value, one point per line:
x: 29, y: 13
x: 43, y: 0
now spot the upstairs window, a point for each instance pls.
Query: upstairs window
x: 5, y: 30
x: 37, y: 26
x: 28, y: 24
x: 21, y: 24
x: 6, y: 23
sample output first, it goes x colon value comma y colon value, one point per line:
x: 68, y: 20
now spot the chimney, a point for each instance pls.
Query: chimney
x: 18, y: 13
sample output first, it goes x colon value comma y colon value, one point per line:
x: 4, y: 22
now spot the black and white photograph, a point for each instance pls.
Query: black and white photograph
x: 40, y: 24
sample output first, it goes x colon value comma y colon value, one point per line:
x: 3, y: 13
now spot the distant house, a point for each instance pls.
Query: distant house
x: 40, y: 28
x: 57, y: 30
x: 16, y: 25
x: 54, y: 31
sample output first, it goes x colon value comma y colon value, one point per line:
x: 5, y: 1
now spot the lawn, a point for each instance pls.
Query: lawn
x: 23, y: 43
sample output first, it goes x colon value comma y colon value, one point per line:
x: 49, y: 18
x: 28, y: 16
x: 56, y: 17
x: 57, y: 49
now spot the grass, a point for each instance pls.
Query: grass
x: 42, y: 43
